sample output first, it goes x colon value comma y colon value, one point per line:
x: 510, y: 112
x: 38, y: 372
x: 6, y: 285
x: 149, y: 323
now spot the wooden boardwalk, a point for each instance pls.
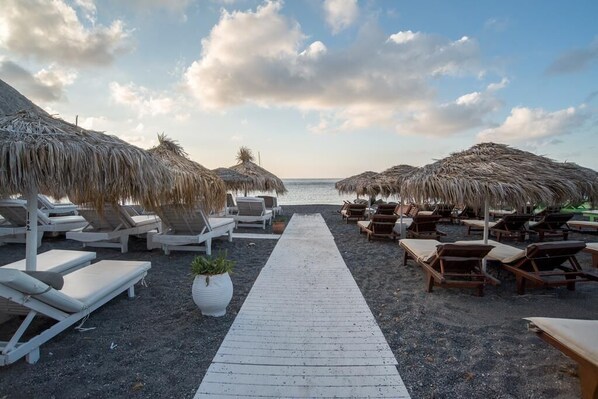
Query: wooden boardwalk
x: 305, y: 330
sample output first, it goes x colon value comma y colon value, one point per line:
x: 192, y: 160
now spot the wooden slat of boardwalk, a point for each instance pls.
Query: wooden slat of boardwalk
x: 305, y: 330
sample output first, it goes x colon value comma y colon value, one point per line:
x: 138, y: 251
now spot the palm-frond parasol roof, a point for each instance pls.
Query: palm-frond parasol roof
x: 261, y: 179
x: 232, y: 179
x: 496, y: 173
x: 358, y: 184
x: 193, y: 183
x: 62, y: 159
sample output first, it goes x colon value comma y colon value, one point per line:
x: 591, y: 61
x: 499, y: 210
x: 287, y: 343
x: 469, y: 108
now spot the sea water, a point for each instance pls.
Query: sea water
x: 307, y: 191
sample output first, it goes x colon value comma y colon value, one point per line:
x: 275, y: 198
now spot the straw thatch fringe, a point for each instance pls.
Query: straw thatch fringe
x: 388, y: 182
x: 61, y: 159
x: 193, y: 183
x: 233, y: 180
x: 359, y: 184
x: 261, y: 179
x: 500, y: 174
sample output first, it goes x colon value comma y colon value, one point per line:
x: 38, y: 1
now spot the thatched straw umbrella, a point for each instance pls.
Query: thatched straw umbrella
x: 192, y: 182
x: 233, y: 180
x: 493, y: 174
x: 388, y: 182
x: 261, y: 179
x: 359, y: 184
x: 39, y: 153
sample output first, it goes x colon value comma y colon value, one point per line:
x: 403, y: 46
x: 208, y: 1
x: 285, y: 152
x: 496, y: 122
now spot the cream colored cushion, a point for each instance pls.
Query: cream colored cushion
x: 581, y: 336
x: 423, y: 250
x: 501, y: 252
x: 57, y: 260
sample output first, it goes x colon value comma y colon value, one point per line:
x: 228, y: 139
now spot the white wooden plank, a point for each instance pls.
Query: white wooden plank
x: 304, y: 330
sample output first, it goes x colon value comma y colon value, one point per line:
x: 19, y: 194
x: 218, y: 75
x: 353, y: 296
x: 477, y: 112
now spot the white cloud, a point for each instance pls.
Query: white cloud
x: 340, y: 14
x: 141, y: 99
x: 534, y: 124
x: 500, y: 85
x: 236, y: 138
x: 46, y: 85
x: 51, y: 31
x: 89, y: 9
x: 497, y: 24
x: 466, y: 112
x: 260, y: 57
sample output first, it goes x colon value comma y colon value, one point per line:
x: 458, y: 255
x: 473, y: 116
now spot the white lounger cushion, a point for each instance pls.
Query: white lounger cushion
x: 581, y: 336
x: 477, y: 223
x: 57, y: 260
x: 82, y: 288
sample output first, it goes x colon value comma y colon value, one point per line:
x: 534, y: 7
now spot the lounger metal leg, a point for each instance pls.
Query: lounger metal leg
x: 131, y: 291
x: 33, y: 356
x: 124, y: 244
x: 430, y: 283
x: 209, y: 246
x: 520, y: 282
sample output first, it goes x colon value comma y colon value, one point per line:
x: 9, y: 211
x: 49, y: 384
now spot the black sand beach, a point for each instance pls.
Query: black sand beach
x: 448, y: 343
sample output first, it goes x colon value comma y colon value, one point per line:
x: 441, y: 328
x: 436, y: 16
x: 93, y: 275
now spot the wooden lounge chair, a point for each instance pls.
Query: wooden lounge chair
x: 583, y: 226
x: 386, y: 209
x: 424, y: 226
x: 545, y: 212
x: 379, y: 226
x: 252, y: 212
x: 184, y: 230
x: 552, y: 225
x: 354, y: 212
x: 543, y: 265
x: 577, y: 339
x: 592, y: 248
x: 271, y: 204
x: 511, y: 226
x: 112, y: 227
x: 476, y: 225
x: 450, y: 264
x: 467, y: 213
x: 13, y: 228
x: 445, y: 211
x: 82, y: 292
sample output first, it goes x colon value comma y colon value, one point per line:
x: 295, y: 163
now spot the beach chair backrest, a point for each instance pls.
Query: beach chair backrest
x: 44, y: 203
x: 356, y: 209
x: 512, y: 222
x: 180, y: 220
x: 555, y: 221
x: 412, y: 212
x: 251, y: 206
x: 383, y: 224
x: 460, y: 258
x: 424, y: 223
x: 230, y: 201
x: 549, y: 255
x: 444, y: 210
x: 386, y: 209
x: 14, y: 211
x: 269, y: 201
x: 109, y: 219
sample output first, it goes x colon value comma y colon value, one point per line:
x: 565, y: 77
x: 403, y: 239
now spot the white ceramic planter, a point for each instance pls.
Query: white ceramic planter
x: 212, y: 298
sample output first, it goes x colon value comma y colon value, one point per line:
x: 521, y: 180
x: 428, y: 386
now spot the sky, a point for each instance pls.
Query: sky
x: 315, y: 88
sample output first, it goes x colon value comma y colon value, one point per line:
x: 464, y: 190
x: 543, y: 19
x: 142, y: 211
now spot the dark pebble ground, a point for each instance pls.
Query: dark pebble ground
x: 448, y: 343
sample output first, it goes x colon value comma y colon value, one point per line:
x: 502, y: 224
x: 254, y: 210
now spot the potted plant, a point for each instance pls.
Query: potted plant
x: 278, y: 224
x: 212, y: 287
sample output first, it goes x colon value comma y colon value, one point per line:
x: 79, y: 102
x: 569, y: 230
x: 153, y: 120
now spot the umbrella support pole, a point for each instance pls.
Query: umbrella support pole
x: 486, y: 228
x: 31, y: 231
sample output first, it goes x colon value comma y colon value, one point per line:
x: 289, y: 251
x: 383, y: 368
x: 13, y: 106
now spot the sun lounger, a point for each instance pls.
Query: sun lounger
x: 466, y: 213
x: 450, y: 264
x: 185, y: 230
x: 386, y: 209
x: 112, y: 227
x: 551, y: 225
x: 271, y: 204
x: 592, y: 248
x: 511, y: 226
x: 84, y: 291
x: 354, y: 212
x: 424, y: 226
x: 57, y: 260
x: 252, y: 212
x: 499, y: 251
x: 543, y: 264
x: 577, y: 339
x: 55, y: 209
x: 379, y: 226
x: 14, y: 212
x: 445, y: 211
x: 476, y: 225
x: 583, y: 226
